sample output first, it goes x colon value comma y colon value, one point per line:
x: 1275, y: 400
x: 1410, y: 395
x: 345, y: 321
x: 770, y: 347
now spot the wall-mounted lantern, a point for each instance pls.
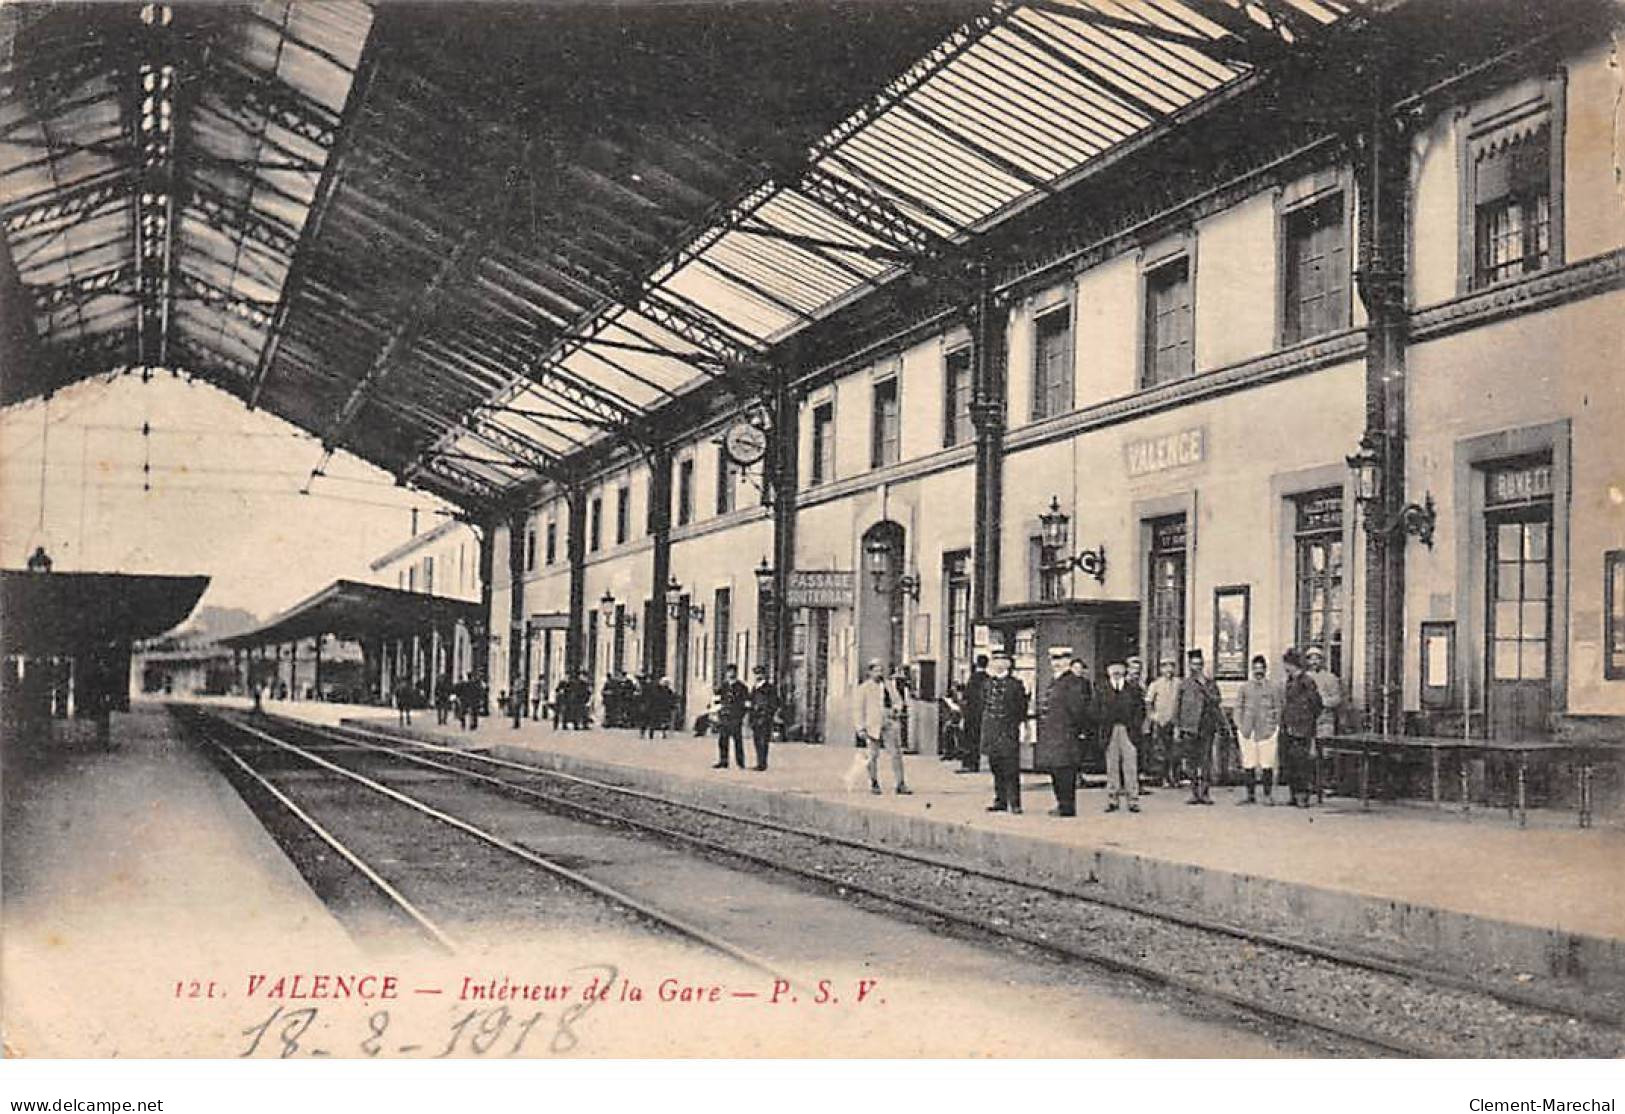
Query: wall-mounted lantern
x: 1055, y: 534
x: 1365, y: 469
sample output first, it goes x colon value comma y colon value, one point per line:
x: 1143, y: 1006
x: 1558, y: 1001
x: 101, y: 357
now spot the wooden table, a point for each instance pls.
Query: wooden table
x: 1512, y: 750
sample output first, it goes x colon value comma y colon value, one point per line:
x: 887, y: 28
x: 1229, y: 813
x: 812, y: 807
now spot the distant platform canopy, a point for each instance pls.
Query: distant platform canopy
x: 67, y: 612
x: 358, y: 612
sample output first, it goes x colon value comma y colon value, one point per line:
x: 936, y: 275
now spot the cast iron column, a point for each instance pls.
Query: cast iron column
x: 576, y: 550
x: 481, y: 635
x: 654, y: 639
x: 1383, y: 165
x: 318, y: 666
x: 517, y: 523
x: 987, y: 320
x: 786, y: 477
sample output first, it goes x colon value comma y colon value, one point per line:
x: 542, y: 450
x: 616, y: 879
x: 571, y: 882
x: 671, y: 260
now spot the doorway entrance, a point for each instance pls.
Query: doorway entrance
x: 1519, y: 620
x: 1166, y: 580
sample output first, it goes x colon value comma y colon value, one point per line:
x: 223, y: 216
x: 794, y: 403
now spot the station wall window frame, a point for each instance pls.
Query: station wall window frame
x: 1168, y: 315
x: 550, y: 553
x: 530, y: 548
x: 822, y: 468
x: 958, y: 368
x: 1323, y: 203
x: 886, y: 420
x: 1498, y: 177
x: 595, y: 524
x: 685, y: 491
x: 1054, y: 379
x: 623, y: 514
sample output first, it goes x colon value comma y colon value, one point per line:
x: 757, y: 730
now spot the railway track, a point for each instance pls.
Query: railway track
x: 434, y: 932
x: 1365, y: 1003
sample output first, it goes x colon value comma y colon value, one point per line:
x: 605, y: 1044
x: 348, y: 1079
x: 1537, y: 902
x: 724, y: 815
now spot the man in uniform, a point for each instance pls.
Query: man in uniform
x: 970, y: 745
x: 1120, y: 713
x: 880, y: 711
x: 1161, y: 705
x: 733, y: 701
x: 1330, y: 687
x: 1063, y: 717
x: 1004, y: 708
x: 1300, y: 710
x: 764, y: 706
x: 1258, y: 722
x: 1196, y: 720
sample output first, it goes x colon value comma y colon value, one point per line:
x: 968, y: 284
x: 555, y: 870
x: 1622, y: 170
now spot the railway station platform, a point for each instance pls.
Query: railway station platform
x: 1475, y: 892
x: 133, y: 877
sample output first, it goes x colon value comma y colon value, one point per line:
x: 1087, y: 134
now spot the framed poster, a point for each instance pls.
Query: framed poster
x: 1438, y: 658
x: 1232, y: 621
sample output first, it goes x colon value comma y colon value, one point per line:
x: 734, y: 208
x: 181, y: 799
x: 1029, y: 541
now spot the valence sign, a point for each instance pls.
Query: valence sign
x: 1163, y: 454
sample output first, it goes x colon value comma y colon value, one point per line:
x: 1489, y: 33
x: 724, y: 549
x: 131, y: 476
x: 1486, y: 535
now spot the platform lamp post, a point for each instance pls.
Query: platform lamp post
x: 674, y: 603
x: 1383, y: 526
x: 1055, y: 535
x: 1414, y: 519
x: 770, y: 614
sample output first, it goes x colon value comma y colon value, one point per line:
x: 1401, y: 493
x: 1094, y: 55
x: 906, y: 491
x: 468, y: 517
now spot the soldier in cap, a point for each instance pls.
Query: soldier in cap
x: 1300, y: 710
x: 1196, y: 720
x: 1330, y: 687
x: 1004, y: 707
x: 1161, y: 704
x: 1063, y: 717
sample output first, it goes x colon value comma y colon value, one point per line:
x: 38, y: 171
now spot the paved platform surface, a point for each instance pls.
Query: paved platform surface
x: 1407, y: 880
x: 127, y: 872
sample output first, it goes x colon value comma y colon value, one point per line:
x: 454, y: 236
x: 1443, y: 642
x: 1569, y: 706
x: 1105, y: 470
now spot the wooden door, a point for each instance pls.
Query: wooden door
x: 1518, y: 567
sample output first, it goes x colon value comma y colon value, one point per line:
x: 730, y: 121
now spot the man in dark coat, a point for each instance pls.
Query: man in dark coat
x: 733, y: 701
x: 1063, y: 718
x: 970, y: 751
x: 1300, y: 708
x: 1196, y: 722
x: 1120, y: 714
x: 764, y: 707
x: 1004, y: 708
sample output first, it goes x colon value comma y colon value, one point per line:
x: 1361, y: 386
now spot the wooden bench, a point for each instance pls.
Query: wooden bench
x: 1516, y: 752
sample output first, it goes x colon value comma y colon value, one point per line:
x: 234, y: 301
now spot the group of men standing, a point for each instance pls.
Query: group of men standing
x: 1172, y: 724
x: 465, y: 699
x: 738, y: 704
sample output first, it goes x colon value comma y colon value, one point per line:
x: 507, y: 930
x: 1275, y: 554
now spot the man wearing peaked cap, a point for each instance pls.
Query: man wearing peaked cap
x: 1004, y: 707
x: 1063, y: 717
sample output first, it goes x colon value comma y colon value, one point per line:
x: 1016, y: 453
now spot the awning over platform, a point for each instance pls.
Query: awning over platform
x: 64, y: 612
x: 351, y: 610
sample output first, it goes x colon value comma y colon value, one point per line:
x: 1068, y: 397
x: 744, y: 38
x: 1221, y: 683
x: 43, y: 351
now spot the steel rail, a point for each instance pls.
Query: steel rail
x: 650, y: 913
x: 1375, y: 964
x: 433, y: 930
x: 1097, y: 958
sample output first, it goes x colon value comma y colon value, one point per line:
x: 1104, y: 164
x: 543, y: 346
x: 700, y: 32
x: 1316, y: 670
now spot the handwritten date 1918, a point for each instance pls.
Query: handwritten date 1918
x: 289, y: 1033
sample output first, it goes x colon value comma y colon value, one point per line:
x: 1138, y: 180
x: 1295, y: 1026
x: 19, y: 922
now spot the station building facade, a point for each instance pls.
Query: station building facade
x: 1187, y: 388
x: 442, y: 561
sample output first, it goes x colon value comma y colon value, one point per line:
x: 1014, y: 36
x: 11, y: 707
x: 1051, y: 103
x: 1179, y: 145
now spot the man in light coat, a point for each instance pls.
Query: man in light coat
x: 1161, y: 704
x: 1120, y: 714
x: 880, y: 712
x: 1330, y: 687
x: 1258, y: 722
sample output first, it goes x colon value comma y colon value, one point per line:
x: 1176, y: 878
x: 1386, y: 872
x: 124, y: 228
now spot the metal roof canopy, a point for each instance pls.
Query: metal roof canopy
x: 63, y: 612
x: 351, y: 610
x: 497, y: 235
